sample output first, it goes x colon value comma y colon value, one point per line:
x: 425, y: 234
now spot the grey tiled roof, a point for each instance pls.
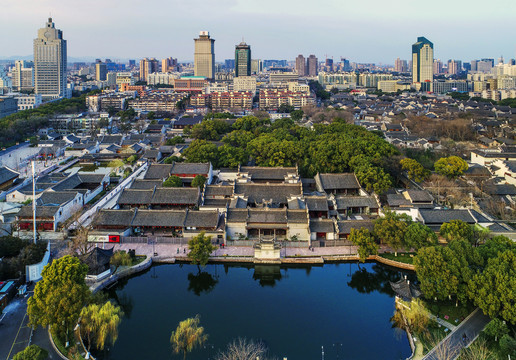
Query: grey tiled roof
x: 322, y: 226
x: 267, y: 173
x: 339, y: 181
x: 7, y: 174
x: 158, y: 171
x: 267, y: 215
x: 345, y: 202
x: 218, y: 190
x: 142, y: 184
x: 439, y: 216
x: 204, y: 218
x: 420, y: 196
x: 345, y: 226
x: 56, y: 197
x: 165, y: 218
x: 114, y: 217
x: 317, y: 203
x: 395, y: 200
x: 237, y: 215
x: 173, y: 195
x: 41, y: 211
x: 190, y: 168
x: 135, y: 197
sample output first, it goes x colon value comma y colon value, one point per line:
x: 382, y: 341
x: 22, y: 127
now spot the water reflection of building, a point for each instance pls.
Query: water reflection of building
x: 267, y: 275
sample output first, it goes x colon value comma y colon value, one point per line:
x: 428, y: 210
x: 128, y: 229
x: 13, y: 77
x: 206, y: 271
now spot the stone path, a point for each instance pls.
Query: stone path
x: 171, y: 250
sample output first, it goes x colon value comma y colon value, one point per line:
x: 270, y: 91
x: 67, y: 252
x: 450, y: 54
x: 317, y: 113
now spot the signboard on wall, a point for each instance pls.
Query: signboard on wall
x: 98, y: 238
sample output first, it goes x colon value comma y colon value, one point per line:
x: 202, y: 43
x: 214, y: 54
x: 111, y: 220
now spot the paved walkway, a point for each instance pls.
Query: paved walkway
x: 180, y: 251
x: 451, y: 345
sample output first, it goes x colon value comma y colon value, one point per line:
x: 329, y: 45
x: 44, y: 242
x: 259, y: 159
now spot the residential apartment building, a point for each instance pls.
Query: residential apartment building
x: 272, y: 99
x: 23, y: 75
x: 148, y: 66
x: 312, y: 65
x: 301, y: 65
x: 244, y: 83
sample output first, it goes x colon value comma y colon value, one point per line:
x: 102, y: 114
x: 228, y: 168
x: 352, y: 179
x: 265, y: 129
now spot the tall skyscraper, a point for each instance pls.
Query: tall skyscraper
x: 301, y: 65
x: 422, y: 61
x: 100, y: 71
x: 50, y: 62
x: 204, y: 55
x: 313, y: 65
x: 23, y: 75
x: 148, y: 66
x: 242, y: 59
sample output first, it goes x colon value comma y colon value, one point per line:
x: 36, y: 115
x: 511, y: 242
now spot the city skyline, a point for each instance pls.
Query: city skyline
x: 111, y: 33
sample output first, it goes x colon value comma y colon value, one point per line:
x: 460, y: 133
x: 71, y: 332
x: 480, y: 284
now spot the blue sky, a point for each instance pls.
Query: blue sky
x: 363, y: 31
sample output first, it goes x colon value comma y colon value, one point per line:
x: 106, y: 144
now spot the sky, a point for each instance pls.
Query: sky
x: 372, y: 31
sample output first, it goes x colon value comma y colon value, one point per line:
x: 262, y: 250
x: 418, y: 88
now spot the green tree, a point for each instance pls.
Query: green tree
x: 32, y: 352
x: 391, y: 229
x: 493, y: 289
x: 434, y: 272
x: 199, y: 181
x: 202, y: 151
x: 451, y: 167
x: 374, y: 178
x: 412, y: 316
x: 249, y: 123
x: 418, y: 236
x: 496, y: 329
x: 365, y: 242
x: 175, y: 140
x: 285, y: 108
x: 457, y: 229
x: 297, y: 115
x: 100, y: 324
x: 60, y: 295
x: 188, y: 335
x: 231, y: 156
x: 507, y: 346
x: 414, y: 169
x: 120, y: 258
x: 173, y: 181
x: 200, y: 247
x: 495, y: 245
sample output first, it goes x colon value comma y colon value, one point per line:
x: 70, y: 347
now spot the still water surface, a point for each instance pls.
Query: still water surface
x: 296, y: 311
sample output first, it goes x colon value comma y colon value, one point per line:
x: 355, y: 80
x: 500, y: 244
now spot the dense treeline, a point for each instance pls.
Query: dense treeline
x: 23, y: 124
x: 334, y: 148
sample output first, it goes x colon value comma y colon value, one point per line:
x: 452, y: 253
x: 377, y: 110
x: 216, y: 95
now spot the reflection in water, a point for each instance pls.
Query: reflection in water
x: 267, y: 274
x: 201, y: 282
x: 366, y: 282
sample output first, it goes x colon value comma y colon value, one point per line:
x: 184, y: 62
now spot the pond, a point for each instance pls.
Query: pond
x: 343, y: 309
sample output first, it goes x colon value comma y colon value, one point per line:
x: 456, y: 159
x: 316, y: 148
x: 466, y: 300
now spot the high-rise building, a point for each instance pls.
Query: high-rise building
x: 301, y: 65
x: 422, y: 60
x: 168, y: 65
x: 400, y: 65
x: 50, y: 62
x: 256, y: 66
x: 148, y: 66
x: 328, y: 65
x: 313, y: 65
x: 454, y: 67
x: 438, y: 67
x: 242, y: 60
x: 100, y: 71
x: 204, y: 55
x: 23, y: 75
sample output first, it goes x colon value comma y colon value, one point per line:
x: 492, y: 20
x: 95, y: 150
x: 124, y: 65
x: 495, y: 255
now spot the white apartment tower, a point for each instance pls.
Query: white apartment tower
x: 204, y: 55
x: 23, y: 75
x: 50, y: 62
